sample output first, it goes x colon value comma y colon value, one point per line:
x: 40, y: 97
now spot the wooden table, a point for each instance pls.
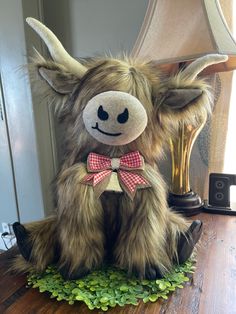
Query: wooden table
x: 211, y: 291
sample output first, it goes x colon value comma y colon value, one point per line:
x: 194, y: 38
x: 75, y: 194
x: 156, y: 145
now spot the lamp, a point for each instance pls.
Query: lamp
x: 173, y: 34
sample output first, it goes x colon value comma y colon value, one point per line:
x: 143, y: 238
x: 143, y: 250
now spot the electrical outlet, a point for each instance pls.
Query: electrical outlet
x: 7, y: 241
x: 6, y: 227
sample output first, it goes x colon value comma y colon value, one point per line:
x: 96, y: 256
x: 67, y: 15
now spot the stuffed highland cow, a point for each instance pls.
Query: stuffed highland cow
x: 111, y: 202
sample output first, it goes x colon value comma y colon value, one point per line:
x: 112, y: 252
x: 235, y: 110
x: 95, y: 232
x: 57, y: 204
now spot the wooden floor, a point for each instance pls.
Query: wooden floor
x: 211, y: 291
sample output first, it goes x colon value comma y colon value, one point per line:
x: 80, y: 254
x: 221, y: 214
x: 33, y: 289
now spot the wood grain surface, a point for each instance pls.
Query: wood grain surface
x: 212, y: 289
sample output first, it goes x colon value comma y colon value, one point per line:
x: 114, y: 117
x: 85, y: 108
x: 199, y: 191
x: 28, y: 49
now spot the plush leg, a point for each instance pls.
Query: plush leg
x: 80, y: 224
x: 37, y: 243
x: 23, y: 241
x: 188, y: 241
x: 149, y: 235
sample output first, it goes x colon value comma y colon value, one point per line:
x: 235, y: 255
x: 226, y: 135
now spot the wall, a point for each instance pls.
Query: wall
x: 87, y: 27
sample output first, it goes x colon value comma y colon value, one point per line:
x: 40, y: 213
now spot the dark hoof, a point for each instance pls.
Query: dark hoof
x: 77, y: 274
x: 151, y: 272
x: 22, y: 239
x: 188, y: 241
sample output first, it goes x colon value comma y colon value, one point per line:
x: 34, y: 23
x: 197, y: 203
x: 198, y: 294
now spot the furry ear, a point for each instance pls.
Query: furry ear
x: 188, y: 95
x: 59, y: 81
x: 179, y: 98
x: 53, y: 83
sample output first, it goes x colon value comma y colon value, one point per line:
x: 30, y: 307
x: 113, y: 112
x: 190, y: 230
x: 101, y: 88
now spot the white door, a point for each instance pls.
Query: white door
x: 8, y: 200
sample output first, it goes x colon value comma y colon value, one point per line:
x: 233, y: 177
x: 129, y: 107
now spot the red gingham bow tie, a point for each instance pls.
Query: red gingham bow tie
x: 101, y: 168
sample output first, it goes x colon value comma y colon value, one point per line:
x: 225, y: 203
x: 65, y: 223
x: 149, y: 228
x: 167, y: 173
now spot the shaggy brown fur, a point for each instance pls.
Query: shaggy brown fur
x: 139, y: 235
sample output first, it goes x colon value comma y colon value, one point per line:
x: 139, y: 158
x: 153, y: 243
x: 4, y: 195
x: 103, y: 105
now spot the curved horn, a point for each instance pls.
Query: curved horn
x: 57, y: 51
x: 200, y: 64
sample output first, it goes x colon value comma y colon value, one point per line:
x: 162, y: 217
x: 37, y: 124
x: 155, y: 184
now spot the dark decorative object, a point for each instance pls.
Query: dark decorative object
x: 219, y: 194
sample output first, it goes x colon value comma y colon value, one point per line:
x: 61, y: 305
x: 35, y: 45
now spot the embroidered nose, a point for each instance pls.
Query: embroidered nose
x: 115, y: 163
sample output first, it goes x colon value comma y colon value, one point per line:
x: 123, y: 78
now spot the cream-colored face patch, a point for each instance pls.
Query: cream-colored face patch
x: 115, y: 118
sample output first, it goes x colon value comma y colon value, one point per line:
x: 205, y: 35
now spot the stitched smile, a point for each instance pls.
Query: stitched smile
x: 103, y: 132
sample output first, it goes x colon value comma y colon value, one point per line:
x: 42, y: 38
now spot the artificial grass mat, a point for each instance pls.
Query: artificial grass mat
x: 109, y: 286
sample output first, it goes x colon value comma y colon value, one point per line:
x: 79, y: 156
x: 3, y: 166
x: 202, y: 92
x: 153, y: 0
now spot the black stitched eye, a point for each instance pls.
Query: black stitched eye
x: 102, y: 114
x: 123, y: 117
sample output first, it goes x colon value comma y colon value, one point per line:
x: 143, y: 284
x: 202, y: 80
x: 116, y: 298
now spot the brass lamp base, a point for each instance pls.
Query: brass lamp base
x: 188, y: 204
x: 181, y: 198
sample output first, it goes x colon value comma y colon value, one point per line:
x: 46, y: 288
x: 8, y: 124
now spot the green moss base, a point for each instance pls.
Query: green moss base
x: 109, y: 287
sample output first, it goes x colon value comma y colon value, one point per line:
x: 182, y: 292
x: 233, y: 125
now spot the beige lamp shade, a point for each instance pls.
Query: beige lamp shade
x: 177, y: 31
